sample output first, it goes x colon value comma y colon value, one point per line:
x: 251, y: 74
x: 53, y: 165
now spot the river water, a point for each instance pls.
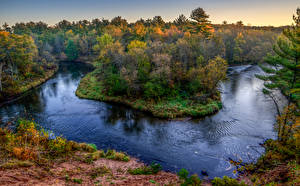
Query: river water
x: 197, y: 145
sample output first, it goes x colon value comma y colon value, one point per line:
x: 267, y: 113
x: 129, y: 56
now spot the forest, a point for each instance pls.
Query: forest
x: 174, y: 67
x: 168, y: 69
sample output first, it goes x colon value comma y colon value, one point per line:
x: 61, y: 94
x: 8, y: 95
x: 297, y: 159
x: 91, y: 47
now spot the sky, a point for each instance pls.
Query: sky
x: 253, y: 12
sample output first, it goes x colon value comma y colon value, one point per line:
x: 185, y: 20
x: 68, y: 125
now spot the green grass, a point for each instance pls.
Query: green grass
x: 226, y: 181
x: 90, y: 88
x: 187, y: 180
x: 76, y: 180
x: 15, y: 163
x: 154, y: 168
x: 99, y: 171
x: 109, y: 154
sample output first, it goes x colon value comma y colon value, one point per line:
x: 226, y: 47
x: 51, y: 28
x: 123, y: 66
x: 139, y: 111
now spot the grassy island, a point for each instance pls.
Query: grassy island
x: 90, y: 88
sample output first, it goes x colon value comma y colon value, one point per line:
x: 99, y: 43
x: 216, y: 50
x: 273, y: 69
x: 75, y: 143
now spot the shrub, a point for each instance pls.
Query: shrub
x: 188, y: 180
x: 77, y: 180
x: 57, y: 146
x: 115, y: 85
x: 93, y: 146
x: 153, y: 90
x: 154, y: 168
x: 23, y: 153
x: 99, y: 171
x: 225, y: 181
x: 38, y: 69
x: 87, y: 147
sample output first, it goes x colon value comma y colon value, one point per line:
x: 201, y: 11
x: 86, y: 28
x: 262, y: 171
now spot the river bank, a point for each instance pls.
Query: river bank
x: 30, y: 156
x: 27, y: 85
x: 207, y: 142
x: 90, y: 88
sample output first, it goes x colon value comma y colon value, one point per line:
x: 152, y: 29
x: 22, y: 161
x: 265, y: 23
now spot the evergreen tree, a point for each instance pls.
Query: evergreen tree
x: 201, y: 24
x: 283, y: 70
x: 181, y: 20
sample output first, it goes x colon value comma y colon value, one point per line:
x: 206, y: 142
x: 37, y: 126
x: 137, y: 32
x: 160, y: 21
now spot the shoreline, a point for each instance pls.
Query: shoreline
x: 44, y: 161
x: 39, y: 81
x: 166, y: 109
x: 29, y: 86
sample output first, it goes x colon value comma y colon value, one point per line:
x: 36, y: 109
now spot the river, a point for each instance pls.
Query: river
x: 197, y: 145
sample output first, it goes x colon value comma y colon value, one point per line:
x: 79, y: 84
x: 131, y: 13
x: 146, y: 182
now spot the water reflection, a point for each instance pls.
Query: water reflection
x: 203, y: 144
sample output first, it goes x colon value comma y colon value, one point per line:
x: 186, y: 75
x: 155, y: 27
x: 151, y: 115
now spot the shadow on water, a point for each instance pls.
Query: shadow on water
x: 201, y: 144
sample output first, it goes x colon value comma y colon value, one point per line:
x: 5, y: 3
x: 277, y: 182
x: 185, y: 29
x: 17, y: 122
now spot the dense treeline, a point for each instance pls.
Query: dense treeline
x: 241, y: 43
x: 150, y: 58
x: 158, y: 61
x: 20, y: 64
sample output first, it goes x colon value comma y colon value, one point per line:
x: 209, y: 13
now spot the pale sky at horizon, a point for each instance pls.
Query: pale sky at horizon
x: 254, y: 12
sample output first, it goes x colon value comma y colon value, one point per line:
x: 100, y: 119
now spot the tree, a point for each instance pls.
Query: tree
x: 202, y: 23
x: 137, y: 44
x: 212, y: 74
x: 239, y: 23
x: 16, y: 56
x: 239, y: 41
x: 284, y: 70
x: 4, y: 43
x: 64, y: 25
x: 158, y: 21
x: 103, y: 42
x: 71, y: 50
x: 119, y: 21
x: 6, y: 27
x: 200, y: 16
x: 140, y: 30
x: 181, y: 20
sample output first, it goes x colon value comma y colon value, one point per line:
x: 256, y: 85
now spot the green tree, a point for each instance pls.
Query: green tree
x: 181, y: 20
x: 71, y: 50
x: 6, y: 27
x: 239, y: 41
x: 17, y: 54
x: 200, y: 16
x: 136, y: 44
x: 158, y: 21
x: 103, y: 42
x: 283, y: 70
x: 202, y: 23
x: 119, y: 21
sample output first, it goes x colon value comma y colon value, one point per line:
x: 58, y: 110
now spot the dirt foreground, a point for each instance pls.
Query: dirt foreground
x: 109, y: 172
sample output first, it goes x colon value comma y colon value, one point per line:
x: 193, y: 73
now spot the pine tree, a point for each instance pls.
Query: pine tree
x: 283, y: 69
x: 201, y: 23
